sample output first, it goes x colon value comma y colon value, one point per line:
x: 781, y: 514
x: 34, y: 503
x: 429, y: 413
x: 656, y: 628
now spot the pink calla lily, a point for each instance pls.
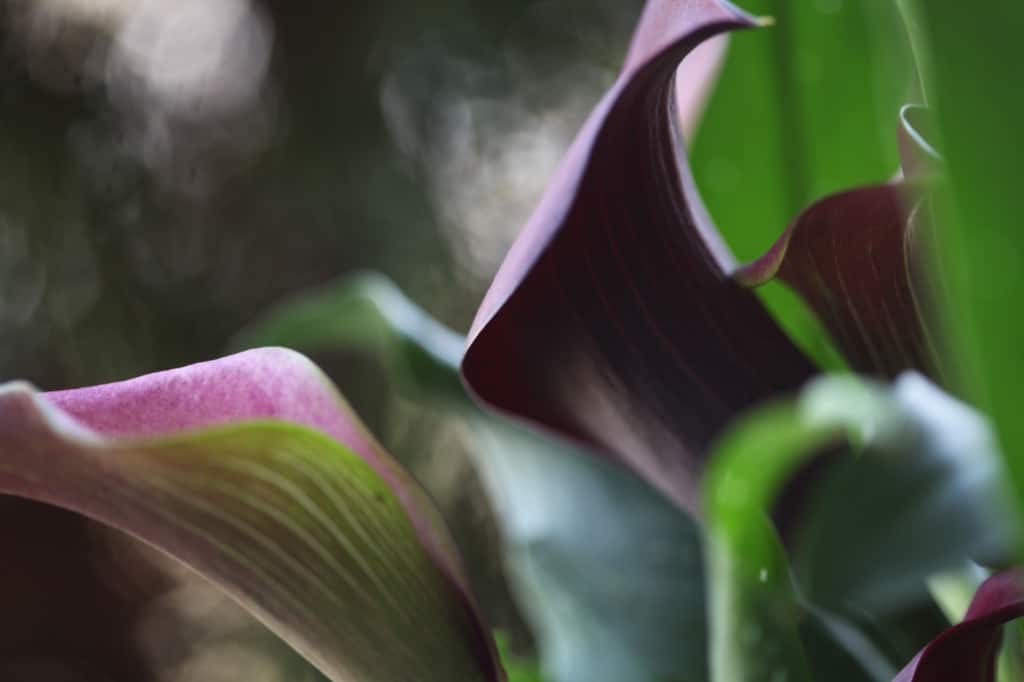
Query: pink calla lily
x: 254, y: 471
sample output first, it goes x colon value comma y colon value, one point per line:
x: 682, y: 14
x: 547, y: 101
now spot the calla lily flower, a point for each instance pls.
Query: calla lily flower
x: 254, y: 471
x: 619, y: 317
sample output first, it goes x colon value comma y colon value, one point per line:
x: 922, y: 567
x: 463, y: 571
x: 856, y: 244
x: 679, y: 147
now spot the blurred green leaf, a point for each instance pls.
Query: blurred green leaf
x: 802, y: 109
x: 367, y: 313
x: 607, y: 571
x: 754, y: 610
x: 973, y: 57
x: 918, y: 501
x: 922, y: 496
x: 518, y: 668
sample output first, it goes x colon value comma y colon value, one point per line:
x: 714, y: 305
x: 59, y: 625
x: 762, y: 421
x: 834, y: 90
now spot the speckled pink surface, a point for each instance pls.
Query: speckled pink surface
x: 273, y: 383
x: 265, y: 383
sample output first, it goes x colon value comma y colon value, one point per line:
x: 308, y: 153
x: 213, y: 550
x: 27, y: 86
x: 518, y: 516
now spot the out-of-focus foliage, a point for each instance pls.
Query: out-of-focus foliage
x: 518, y: 669
x: 927, y: 469
x: 973, y: 80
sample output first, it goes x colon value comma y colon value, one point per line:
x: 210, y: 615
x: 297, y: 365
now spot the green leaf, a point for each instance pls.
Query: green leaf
x: 922, y: 495
x: 802, y: 109
x: 914, y: 503
x: 518, y: 668
x: 327, y: 541
x: 367, y: 313
x: 973, y: 56
x: 753, y: 604
x: 607, y: 571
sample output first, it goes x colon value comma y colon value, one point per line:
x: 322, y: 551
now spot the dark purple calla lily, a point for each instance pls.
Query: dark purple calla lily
x: 967, y: 651
x: 851, y: 257
x: 619, y: 317
x: 254, y: 471
x: 613, y: 318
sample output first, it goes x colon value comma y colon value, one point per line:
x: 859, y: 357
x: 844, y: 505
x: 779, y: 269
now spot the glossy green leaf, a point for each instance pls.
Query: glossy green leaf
x: 607, y: 571
x: 802, y: 109
x: 323, y: 538
x: 974, y: 69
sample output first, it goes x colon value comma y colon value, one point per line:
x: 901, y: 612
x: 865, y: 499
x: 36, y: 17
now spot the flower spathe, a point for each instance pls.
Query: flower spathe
x: 254, y: 471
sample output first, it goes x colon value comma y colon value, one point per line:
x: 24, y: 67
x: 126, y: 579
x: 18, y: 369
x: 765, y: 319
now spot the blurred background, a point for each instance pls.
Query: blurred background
x: 168, y: 168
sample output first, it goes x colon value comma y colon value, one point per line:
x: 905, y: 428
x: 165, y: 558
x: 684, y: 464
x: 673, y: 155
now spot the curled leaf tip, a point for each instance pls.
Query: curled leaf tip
x: 917, y: 139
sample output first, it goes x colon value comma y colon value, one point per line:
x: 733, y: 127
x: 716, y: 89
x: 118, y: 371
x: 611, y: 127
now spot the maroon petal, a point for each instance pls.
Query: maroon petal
x: 967, y: 652
x: 613, y: 319
x: 851, y: 257
x: 856, y: 260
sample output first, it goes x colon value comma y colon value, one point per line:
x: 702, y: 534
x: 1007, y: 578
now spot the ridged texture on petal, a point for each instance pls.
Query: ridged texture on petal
x: 308, y: 524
